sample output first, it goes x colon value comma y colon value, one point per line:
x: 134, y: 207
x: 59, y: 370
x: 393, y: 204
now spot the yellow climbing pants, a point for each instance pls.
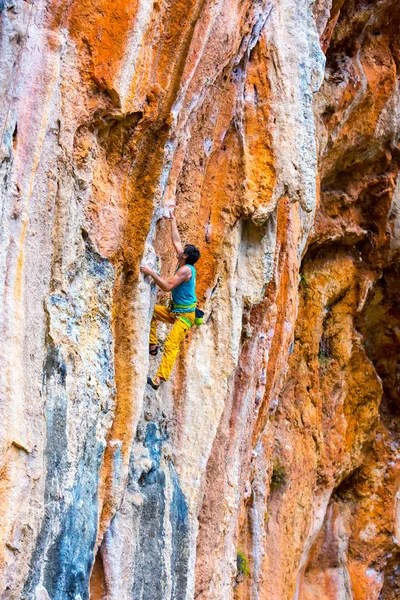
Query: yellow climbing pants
x: 174, y: 339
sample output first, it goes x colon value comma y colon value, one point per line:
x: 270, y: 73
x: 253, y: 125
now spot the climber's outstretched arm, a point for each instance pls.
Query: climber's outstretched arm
x: 182, y: 274
x: 176, y: 238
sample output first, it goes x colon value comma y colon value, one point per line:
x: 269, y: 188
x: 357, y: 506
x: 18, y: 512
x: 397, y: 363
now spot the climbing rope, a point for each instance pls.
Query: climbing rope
x: 14, y: 77
x: 210, y: 83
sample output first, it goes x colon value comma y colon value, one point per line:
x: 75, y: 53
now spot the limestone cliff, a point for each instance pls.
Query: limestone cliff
x: 268, y: 468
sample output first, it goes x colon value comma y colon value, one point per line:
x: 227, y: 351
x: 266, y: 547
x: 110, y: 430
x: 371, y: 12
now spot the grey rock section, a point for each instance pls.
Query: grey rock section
x: 145, y: 552
x: 78, y: 386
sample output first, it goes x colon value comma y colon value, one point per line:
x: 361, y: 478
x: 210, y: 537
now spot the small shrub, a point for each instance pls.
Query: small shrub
x: 323, y: 359
x: 324, y: 351
x: 305, y: 285
x: 303, y: 281
x: 242, y: 565
x: 279, y: 476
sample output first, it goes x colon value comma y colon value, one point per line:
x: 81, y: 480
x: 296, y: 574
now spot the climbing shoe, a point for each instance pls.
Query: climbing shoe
x: 152, y: 384
x: 153, y: 351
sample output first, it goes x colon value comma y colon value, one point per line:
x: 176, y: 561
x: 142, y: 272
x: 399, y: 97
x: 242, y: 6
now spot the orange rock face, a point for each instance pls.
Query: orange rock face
x: 268, y: 467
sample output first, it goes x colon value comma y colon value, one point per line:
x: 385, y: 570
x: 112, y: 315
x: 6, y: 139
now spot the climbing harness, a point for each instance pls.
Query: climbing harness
x: 15, y: 76
x: 199, y: 314
x: 185, y: 309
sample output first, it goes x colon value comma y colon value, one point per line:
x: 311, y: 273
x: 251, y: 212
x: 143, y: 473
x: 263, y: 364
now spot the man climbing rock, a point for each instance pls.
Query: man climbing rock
x: 183, y: 306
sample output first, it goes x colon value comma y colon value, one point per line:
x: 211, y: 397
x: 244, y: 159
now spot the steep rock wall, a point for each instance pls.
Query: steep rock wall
x: 273, y: 128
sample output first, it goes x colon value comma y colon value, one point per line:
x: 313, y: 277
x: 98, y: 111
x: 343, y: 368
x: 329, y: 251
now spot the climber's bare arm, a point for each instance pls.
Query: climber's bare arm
x: 183, y: 274
x: 176, y: 238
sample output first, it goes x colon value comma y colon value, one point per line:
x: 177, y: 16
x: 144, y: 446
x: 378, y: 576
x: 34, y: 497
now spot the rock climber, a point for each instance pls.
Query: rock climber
x: 181, y: 312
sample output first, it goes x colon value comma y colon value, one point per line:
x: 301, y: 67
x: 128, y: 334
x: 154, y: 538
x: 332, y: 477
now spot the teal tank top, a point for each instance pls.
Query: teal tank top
x: 184, y: 295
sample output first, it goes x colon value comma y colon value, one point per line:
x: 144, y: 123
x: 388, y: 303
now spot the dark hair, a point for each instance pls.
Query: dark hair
x: 191, y: 253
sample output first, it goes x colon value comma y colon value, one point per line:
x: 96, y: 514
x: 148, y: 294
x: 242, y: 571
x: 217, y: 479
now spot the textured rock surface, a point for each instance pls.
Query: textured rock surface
x: 273, y: 127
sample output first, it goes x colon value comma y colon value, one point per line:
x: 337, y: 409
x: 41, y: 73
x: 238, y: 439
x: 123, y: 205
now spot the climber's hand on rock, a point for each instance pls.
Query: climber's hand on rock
x: 146, y: 270
x: 171, y: 214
